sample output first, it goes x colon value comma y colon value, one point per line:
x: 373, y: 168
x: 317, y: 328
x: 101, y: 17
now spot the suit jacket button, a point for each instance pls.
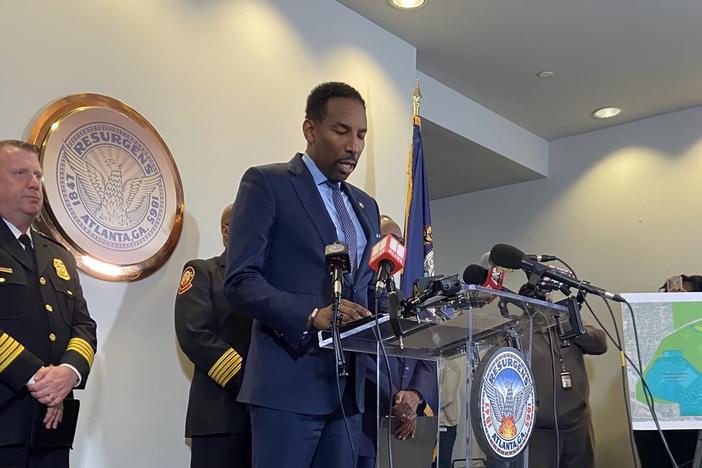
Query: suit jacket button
x: 52, y: 337
x: 42, y: 281
x: 49, y: 308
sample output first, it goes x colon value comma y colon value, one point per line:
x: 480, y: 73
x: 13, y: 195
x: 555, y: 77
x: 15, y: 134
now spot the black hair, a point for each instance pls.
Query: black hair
x: 694, y: 280
x: 316, y: 108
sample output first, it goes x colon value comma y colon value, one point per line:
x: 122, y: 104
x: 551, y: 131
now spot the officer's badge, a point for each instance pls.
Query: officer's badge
x: 186, y: 281
x: 61, y: 270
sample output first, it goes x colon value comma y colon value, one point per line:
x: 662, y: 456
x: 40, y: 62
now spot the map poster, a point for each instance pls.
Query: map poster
x: 669, y: 328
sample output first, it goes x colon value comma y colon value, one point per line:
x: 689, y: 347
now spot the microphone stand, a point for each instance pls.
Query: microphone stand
x: 336, y: 337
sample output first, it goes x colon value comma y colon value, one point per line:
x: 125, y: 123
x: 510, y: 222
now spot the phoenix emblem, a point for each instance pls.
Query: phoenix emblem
x: 508, y: 408
x: 113, y: 197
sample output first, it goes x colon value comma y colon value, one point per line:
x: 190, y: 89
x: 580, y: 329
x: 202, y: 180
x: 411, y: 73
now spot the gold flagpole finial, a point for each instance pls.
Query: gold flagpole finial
x: 416, y: 98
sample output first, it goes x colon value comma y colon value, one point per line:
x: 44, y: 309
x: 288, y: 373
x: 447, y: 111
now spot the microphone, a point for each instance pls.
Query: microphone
x: 541, y: 258
x: 336, y: 256
x: 485, y: 260
x: 438, y: 288
x: 386, y: 258
x: 491, y: 278
x: 507, y: 256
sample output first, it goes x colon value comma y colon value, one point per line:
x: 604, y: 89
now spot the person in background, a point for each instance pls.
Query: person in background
x: 216, y: 339
x: 453, y: 384
x: 47, y: 338
x: 560, y: 365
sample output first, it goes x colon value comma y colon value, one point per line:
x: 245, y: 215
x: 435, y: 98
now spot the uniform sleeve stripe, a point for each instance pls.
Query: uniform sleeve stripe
x: 9, y: 354
x: 82, y: 347
x: 6, y: 343
x: 226, y: 355
x: 235, y: 371
x: 224, y: 371
x: 3, y: 338
x: 226, y: 367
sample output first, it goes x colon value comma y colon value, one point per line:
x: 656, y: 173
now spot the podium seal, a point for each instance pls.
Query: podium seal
x: 503, y: 407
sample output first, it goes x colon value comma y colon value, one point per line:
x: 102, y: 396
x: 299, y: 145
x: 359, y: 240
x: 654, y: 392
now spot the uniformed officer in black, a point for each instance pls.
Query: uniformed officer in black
x: 216, y: 339
x: 47, y: 338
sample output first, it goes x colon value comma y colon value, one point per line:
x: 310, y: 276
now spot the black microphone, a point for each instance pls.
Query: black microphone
x: 438, y: 288
x: 507, y: 256
x: 474, y: 274
x: 541, y: 258
x: 336, y: 256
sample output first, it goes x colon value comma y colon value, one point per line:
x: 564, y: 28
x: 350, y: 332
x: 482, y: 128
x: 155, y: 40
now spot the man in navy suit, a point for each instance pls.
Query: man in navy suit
x: 284, y: 216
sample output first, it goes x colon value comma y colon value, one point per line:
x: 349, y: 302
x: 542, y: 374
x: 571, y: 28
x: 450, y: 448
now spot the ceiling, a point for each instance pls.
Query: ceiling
x: 456, y: 165
x: 642, y: 55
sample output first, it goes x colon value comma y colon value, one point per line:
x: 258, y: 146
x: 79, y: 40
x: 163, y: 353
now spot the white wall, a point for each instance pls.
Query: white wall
x: 455, y: 112
x: 620, y: 205
x: 225, y: 83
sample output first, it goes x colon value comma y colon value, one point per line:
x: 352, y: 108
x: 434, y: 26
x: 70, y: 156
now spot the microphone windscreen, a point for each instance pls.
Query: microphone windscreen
x: 506, y: 256
x: 474, y: 274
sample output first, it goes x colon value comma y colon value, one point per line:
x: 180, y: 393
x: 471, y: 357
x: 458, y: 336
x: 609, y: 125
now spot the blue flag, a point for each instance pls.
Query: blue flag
x: 419, y: 260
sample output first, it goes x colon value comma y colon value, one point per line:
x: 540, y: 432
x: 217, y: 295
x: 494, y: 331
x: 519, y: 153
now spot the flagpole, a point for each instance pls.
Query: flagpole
x: 416, y: 99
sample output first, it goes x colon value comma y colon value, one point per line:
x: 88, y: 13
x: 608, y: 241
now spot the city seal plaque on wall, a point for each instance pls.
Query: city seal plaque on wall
x: 113, y: 195
x: 503, y: 404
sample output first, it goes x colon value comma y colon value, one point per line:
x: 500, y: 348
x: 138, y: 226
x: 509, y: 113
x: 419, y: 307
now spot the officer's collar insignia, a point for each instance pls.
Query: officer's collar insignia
x: 186, y: 281
x: 5, y: 270
x: 61, y: 270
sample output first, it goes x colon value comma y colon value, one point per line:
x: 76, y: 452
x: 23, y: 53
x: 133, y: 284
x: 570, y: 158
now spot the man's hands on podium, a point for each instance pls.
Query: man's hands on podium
x: 405, y: 410
x: 52, y: 384
x: 348, y: 312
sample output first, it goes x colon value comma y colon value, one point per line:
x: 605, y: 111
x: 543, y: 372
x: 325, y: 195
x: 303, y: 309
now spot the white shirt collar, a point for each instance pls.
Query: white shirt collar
x: 16, y: 232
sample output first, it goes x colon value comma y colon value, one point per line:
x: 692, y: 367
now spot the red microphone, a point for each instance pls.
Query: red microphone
x: 387, y: 258
x: 491, y: 278
x: 494, y: 278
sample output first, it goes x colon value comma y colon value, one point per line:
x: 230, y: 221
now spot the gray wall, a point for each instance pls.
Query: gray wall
x: 620, y: 206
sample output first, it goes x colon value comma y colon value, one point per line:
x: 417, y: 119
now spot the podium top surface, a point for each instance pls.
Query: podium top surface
x: 444, y: 327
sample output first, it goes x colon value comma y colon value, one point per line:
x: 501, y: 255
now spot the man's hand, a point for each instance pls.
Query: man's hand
x: 406, y: 430
x: 405, y: 405
x: 405, y: 410
x: 52, y: 384
x: 348, y: 312
x: 53, y: 417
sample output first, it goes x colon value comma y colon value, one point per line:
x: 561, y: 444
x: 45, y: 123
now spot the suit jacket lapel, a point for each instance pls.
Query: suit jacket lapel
x: 9, y: 242
x: 304, y: 186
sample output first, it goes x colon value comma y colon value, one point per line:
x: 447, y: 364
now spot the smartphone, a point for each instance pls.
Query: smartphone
x: 674, y: 284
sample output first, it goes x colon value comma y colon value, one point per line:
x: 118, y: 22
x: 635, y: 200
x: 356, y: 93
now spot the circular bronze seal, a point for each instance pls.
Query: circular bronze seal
x: 112, y: 192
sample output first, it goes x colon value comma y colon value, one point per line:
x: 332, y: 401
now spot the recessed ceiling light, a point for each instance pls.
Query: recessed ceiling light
x: 408, y: 4
x: 606, y: 112
x: 546, y: 74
